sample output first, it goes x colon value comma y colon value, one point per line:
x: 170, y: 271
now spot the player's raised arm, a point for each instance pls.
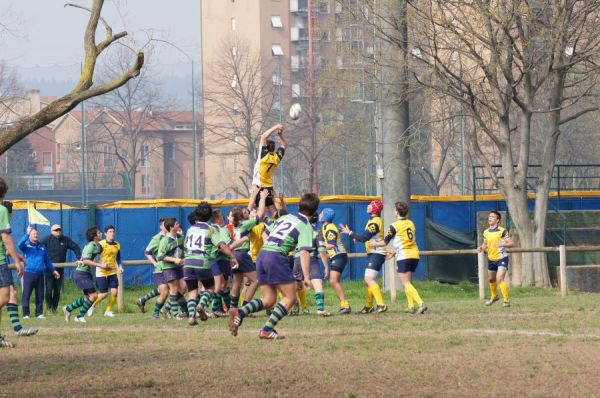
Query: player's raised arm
x: 282, y: 138
x: 265, y: 136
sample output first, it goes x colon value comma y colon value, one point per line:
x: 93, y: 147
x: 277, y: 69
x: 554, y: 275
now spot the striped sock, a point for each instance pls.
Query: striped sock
x: 13, y: 313
x: 86, y: 306
x: 151, y: 294
x: 234, y: 302
x: 217, y: 304
x: 157, y: 307
x: 320, y: 300
x: 191, y: 307
x: 278, y: 313
x: 205, y: 298
x: 182, y: 304
x: 227, y: 298
x: 167, y: 305
x: 173, y: 304
x: 76, y: 304
x: 251, y: 307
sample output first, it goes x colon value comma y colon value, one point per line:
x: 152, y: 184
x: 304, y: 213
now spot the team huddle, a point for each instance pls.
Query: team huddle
x: 214, y: 269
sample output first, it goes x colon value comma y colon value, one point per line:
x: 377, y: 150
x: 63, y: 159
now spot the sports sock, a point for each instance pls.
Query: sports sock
x: 376, y: 292
x: 217, y: 303
x: 86, y: 306
x: 320, y: 300
x: 151, y: 294
x: 111, y: 302
x: 410, y: 289
x: 191, y: 307
x: 227, y: 298
x: 410, y: 302
x: 182, y: 304
x: 369, y: 298
x: 205, y: 298
x: 344, y: 304
x: 493, y: 290
x: 13, y: 313
x: 167, y: 305
x: 173, y: 304
x: 98, y: 299
x: 157, y: 307
x: 504, y: 290
x: 234, y: 302
x: 277, y: 314
x: 302, y: 299
x: 76, y: 304
x: 251, y: 307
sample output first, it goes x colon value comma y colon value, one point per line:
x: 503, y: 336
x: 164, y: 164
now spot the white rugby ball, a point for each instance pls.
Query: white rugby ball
x: 295, y: 111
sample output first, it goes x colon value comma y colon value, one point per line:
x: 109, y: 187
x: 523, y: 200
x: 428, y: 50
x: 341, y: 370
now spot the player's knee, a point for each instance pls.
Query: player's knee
x: 268, y: 302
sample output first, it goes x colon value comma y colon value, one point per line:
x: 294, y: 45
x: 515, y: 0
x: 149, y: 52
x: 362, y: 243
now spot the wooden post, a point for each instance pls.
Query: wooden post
x: 392, y: 275
x: 481, y: 273
x: 120, y: 300
x: 562, y: 250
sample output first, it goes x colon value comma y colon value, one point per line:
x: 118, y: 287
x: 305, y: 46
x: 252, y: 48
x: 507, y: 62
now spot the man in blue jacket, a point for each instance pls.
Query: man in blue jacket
x: 38, y: 262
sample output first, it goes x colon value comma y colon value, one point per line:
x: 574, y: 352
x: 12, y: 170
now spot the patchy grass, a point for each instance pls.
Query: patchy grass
x: 542, y: 346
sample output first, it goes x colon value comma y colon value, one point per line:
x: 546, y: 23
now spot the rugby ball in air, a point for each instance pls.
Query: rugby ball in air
x: 295, y: 111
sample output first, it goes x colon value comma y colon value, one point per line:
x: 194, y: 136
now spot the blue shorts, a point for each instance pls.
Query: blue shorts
x: 173, y: 274
x: 494, y: 265
x: 338, y: 262
x: 105, y: 283
x: 315, y: 270
x: 159, y: 278
x: 375, y: 261
x: 194, y: 275
x: 221, y: 267
x: 84, y: 282
x: 6, y: 277
x: 407, y: 265
x: 245, y: 263
x: 273, y: 268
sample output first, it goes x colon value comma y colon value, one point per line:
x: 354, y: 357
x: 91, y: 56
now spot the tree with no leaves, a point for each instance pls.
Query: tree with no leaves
x: 84, y: 89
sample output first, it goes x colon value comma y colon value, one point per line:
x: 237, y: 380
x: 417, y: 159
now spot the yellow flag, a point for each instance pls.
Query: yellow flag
x: 35, y: 217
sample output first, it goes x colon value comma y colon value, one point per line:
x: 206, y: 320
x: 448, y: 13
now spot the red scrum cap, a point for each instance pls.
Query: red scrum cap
x: 376, y: 207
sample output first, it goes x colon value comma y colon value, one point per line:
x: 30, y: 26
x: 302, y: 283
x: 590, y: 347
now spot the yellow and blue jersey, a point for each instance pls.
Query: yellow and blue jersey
x: 256, y: 239
x: 373, y: 233
x: 267, y: 165
x: 111, y: 255
x: 331, y: 235
x: 403, y: 234
x: 493, y: 236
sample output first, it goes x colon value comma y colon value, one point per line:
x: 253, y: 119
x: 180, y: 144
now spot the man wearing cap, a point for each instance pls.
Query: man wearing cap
x: 57, y: 246
x: 375, y: 256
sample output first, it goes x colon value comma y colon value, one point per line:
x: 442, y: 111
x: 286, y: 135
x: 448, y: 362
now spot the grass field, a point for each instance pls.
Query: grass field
x: 543, y: 346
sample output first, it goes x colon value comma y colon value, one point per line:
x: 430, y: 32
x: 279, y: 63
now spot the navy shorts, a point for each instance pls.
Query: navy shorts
x: 245, y: 263
x: 159, y: 278
x: 6, y: 277
x: 107, y: 282
x: 375, y: 261
x: 338, y: 262
x: 407, y: 265
x: 194, y: 275
x: 84, y: 282
x: 494, y: 265
x: 173, y: 274
x: 273, y: 269
x: 315, y: 269
x: 221, y: 267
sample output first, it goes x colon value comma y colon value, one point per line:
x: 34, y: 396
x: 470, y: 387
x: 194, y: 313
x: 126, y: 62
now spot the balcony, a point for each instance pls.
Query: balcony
x: 298, y: 34
x: 299, y: 6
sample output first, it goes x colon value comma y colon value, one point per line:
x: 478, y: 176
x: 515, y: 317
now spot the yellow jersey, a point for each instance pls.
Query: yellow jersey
x: 111, y: 255
x: 374, y: 230
x: 492, y: 236
x: 267, y: 165
x: 256, y: 240
x: 331, y: 235
x: 402, y: 234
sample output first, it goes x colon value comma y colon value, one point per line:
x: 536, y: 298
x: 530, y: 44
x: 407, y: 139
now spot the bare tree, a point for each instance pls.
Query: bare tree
x: 85, y: 88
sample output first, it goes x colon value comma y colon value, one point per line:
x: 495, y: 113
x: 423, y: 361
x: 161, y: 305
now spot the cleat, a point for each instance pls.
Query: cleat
x: 5, y: 344
x: 423, y: 308
x: 344, y: 311
x: 410, y: 310
x: 155, y: 317
x: 141, y: 303
x: 491, y: 300
x: 366, y: 310
x: 25, y: 317
x: 179, y: 317
x: 25, y: 332
x: 234, y: 321
x: 269, y: 311
x: 67, y: 313
x: 220, y: 314
x: 506, y: 304
x: 192, y: 321
x: 272, y: 335
x: 324, y: 313
x: 202, y: 314
x: 166, y: 313
x: 381, y: 308
x: 90, y: 312
x: 41, y: 316
x: 109, y: 314
x: 80, y: 319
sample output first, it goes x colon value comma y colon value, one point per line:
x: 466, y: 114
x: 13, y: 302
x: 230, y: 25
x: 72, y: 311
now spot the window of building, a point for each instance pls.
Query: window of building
x: 145, y: 183
x: 171, y: 179
x: 145, y: 156
x: 276, y: 50
x: 277, y: 80
x: 34, y: 155
x: 236, y: 164
x: 169, y: 151
x: 276, y: 22
x: 47, y: 162
x: 107, y: 156
x: 233, y: 24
